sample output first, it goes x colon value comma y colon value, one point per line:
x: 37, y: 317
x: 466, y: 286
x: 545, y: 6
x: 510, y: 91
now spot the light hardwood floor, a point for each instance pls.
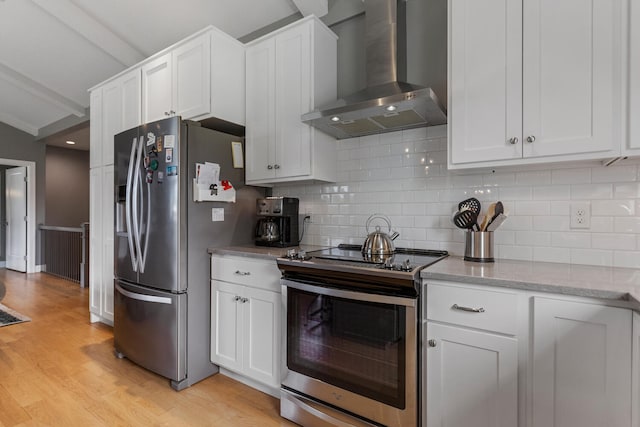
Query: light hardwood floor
x: 59, y: 370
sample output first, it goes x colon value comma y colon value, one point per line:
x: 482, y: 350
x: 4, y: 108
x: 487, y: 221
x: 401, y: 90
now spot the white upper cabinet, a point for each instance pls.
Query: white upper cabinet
x: 120, y: 110
x: 633, y: 137
x: 95, y: 128
x: 289, y: 73
x: 178, y: 82
x: 533, y: 81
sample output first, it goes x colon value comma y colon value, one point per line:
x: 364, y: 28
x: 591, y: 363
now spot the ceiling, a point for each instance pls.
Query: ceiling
x: 53, y: 51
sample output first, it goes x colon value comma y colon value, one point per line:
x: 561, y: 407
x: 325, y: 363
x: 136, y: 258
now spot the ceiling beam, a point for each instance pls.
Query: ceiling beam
x: 25, y: 83
x: 18, y: 124
x: 312, y: 7
x: 92, y: 30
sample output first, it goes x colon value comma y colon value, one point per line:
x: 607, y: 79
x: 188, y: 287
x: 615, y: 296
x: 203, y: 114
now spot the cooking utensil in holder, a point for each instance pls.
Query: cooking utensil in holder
x: 478, y: 246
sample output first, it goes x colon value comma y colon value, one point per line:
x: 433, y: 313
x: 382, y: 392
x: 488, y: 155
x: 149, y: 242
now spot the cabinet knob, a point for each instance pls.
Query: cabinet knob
x: 432, y: 343
x: 513, y: 141
x: 269, y: 167
x: 243, y: 300
x: 531, y: 139
x: 237, y: 298
x: 276, y: 166
x: 172, y: 112
x: 166, y: 113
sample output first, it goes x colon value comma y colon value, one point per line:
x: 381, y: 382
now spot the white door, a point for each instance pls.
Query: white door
x: 569, y: 76
x: 485, y: 80
x: 16, y: 195
x: 260, y: 99
x: 192, y: 77
x: 581, y: 367
x: 156, y: 89
x: 226, y: 325
x: 472, y: 378
x: 261, y: 347
x: 293, y: 98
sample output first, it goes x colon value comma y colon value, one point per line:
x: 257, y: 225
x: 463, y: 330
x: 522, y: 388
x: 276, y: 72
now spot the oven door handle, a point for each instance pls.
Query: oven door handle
x: 358, y: 296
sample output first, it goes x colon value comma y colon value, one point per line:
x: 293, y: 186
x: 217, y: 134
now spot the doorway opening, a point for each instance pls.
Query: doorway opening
x: 31, y: 210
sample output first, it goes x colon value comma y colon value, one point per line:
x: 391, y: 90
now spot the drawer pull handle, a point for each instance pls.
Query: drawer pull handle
x: 463, y: 308
x: 243, y: 273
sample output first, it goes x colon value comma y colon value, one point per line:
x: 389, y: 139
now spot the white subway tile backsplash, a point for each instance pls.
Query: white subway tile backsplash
x: 614, y: 174
x: 613, y: 208
x: 591, y: 191
x: 404, y: 175
x: 613, y: 241
x: 547, y: 254
x: 571, y: 176
x: 532, y: 208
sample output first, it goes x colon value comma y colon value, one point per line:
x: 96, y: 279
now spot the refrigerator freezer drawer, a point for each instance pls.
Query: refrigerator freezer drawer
x: 149, y: 328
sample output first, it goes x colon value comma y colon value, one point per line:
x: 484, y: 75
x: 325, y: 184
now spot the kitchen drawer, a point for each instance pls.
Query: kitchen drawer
x: 257, y: 273
x: 494, y: 311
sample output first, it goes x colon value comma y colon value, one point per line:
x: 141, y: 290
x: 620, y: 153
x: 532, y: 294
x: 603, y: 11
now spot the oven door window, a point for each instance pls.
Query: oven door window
x: 355, y: 345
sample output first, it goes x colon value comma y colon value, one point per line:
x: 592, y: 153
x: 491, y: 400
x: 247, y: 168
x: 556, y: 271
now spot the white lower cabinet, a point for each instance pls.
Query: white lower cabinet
x: 101, y: 264
x: 471, y: 374
x: 581, y: 364
x: 246, y: 318
x: 472, y: 378
x: 497, y: 357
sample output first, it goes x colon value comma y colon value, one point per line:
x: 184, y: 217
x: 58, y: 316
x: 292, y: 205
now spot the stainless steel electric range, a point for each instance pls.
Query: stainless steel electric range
x: 352, y: 336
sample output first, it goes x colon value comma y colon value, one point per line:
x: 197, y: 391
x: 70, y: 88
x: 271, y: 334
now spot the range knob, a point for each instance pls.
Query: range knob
x: 406, y: 266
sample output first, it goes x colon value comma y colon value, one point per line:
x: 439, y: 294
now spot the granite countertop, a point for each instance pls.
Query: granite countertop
x: 569, y: 279
x: 263, y: 252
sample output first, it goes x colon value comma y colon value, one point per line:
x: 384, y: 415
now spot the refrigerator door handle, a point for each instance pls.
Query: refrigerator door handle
x: 145, y: 298
x: 129, y: 190
x: 145, y: 229
x: 137, y: 185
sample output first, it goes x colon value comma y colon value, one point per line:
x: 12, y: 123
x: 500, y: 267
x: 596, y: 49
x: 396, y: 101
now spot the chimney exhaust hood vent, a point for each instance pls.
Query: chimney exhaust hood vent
x: 387, y: 104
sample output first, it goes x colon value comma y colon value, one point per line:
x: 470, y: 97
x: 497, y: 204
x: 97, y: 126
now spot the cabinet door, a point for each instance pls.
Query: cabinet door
x: 108, y: 207
x: 226, y: 325
x: 95, y: 242
x: 581, y: 364
x: 192, y: 78
x: 262, y: 335
x: 485, y: 80
x: 293, y: 98
x: 156, y: 89
x: 95, y: 129
x: 131, y: 100
x: 634, y: 72
x: 260, y: 111
x: 569, y: 81
x: 472, y: 378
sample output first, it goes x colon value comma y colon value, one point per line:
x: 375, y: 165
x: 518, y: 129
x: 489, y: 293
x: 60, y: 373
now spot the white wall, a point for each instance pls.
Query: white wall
x: 404, y: 176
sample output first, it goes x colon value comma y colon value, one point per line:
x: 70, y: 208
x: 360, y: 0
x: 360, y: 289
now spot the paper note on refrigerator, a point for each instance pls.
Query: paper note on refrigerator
x: 207, y: 173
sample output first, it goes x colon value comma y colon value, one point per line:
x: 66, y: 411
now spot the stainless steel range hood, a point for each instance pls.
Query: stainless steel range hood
x: 387, y: 104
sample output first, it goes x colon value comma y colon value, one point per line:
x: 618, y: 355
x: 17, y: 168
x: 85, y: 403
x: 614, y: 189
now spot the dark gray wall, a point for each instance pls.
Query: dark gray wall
x: 67, y: 187
x: 18, y: 145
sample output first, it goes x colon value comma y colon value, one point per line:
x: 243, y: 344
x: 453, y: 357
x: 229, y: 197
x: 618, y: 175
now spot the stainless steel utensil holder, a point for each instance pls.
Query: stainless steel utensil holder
x: 478, y: 246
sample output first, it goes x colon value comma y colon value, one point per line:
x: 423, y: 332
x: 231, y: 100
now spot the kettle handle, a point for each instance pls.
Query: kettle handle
x: 383, y: 217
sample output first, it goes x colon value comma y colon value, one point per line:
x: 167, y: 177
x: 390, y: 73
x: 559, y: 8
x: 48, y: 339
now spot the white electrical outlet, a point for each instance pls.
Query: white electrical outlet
x: 581, y: 215
x: 217, y: 214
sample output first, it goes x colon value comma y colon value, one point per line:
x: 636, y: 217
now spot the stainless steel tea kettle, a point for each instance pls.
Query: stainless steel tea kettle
x: 379, y: 242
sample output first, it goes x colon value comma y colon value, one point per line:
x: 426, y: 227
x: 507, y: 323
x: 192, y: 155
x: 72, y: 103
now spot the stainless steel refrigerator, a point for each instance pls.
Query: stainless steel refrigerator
x: 162, y: 269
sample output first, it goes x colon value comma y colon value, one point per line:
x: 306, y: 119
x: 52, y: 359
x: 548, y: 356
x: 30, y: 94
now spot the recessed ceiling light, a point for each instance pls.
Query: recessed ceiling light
x: 335, y: 119
x: 71, y: 142
x: 391, y: 108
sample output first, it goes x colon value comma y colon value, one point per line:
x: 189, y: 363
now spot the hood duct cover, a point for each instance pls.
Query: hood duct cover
x: 387, y: 104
